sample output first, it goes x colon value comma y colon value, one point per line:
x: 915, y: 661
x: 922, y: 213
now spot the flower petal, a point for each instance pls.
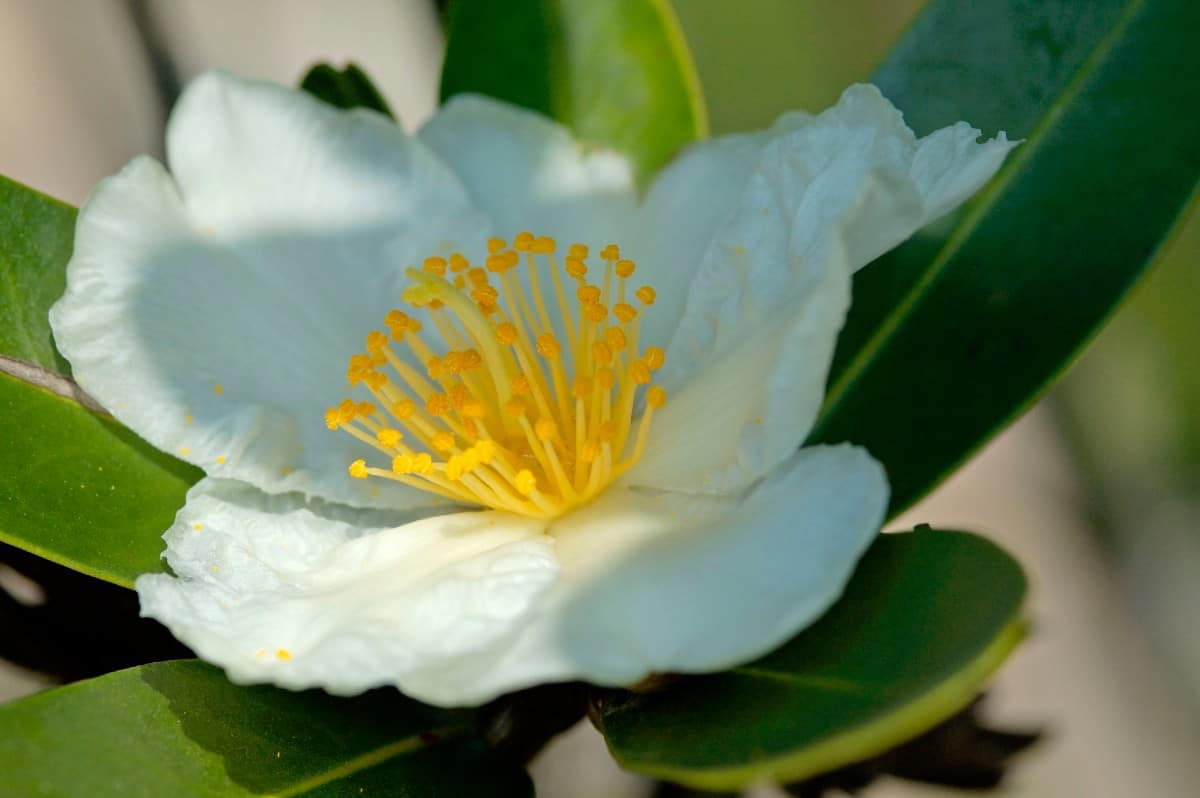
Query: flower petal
x: 283, y: 595
x: 214, y: 313
x: 659, y: 582
x: 529, y: 173
x: 746, y: 365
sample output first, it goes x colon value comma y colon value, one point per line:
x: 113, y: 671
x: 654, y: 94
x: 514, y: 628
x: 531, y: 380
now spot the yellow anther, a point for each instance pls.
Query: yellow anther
x: 578, y: 251
x: 588, y: 294
x: 459, y: 396
x: 514, y: 408
x: 402, y: 464
x: 435, y: 367
x: 435, y: 265
x: 365, y: 409
x: 374, y: 379
x: 525, y: 482
x: 625, y: 312
x: 519, y: 385
x: 358, y: 469
x: 497, y: 263
x: 625, y: 268
x: 646, y: 294
x: 602, y: 353
x: 611, y: 252
x: 378, y: 358
x: 404, y: 409
x: 654, y: 358
x: 523, y: 241
x: 615, y: 338
x: 422, y: 463
x: 478, y: 277
x: 443, y: 441
x: 605, y: 378
x: 590, y: 451
x: 436, y: 304
x: 486, y: 449
x: 576, y: 268
x: 595, y: 312
x: 437, y: 404
x: 347, y: 410
x: 470, y: 460
x: 460, y: 282
x: 452, y: 362
x: 544, y: 245
x: 546, y: 429
x: 376, y: 341
x: 506, y: 334
x: 582, y: 388
x: 458, y: 263
x: 389, y: 437
x: 656, y: 396
x: 473, y: 408
x: 470, y: 427
x: 472, y: 359
x: 548, y: 346
x: 494, y: 245
x: 639, y: 372
x: 332, y: 418
x: 485, y: 294
x: 454, y: 468
x: 607, y: 432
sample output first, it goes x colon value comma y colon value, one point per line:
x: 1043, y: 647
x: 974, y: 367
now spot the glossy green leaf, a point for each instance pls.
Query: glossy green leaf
x: 959, y: 330
x: 618, y: 73
x: 75, y: 486
x: 181, y: 728
x: 78, y: 488
x: 926, y: 618
x: 344, y: 88
x: 36, y: 235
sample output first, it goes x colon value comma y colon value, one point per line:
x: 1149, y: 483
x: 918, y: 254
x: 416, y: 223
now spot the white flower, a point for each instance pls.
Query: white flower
x: 212, y: 308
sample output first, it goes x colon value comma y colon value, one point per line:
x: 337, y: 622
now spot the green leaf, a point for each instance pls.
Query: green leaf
x: 78, y: 488
x: 36, y: 235
x: 926, y: 618
x: 618, y: 73
x: 959, y: 330
x: 75, y: 486
x: 344, y: 88
x: 181, y: 728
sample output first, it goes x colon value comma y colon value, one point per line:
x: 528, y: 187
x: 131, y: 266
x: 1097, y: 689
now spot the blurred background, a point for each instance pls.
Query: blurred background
x: 1096, y: 490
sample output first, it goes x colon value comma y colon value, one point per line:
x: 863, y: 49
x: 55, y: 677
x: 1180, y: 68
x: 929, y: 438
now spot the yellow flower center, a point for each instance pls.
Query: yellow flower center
x: 510, y: 411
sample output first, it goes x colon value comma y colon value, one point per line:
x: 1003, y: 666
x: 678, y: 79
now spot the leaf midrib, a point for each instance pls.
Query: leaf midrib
x: 980, y: 208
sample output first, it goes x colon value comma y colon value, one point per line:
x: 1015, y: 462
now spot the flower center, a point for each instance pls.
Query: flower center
x: 519, y: 411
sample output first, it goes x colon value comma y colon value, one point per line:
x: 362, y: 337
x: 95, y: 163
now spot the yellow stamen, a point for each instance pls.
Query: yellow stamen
x: 559, y: 394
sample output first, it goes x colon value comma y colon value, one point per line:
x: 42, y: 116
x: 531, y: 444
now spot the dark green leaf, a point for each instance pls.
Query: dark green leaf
x: 78, y: 488
x: 36, y: 234
x: 181, y: 728
x: 925, y: 620
x: 618, y: 73
x: 344, y: 88
x: 959, y: 330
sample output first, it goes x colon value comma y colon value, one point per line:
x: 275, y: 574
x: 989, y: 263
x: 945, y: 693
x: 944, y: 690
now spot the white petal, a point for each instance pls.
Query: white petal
x: 291, y: 598
x: 260, y: 270
x: 655, y: 583
x: 746, y: 365
x: 529, y: 173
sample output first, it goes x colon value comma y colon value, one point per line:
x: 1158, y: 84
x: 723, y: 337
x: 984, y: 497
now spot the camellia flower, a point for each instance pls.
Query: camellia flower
x: 474, y: 415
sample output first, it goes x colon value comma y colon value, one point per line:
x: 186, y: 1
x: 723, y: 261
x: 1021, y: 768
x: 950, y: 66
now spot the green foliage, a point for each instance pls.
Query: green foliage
x: 344, y: 88
x: 960, y: 329
x: 927, y: 617
x: 618, y: 73
x: 181, y: 728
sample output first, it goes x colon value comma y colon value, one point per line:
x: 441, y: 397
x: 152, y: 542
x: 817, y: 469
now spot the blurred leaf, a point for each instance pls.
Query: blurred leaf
x: 618, y: 73
x: 926, y: 619
x: 344, y: 88
x: 36, y: 235
x: 181, y: 728
x: 959, y: 330
x: 75, y: 486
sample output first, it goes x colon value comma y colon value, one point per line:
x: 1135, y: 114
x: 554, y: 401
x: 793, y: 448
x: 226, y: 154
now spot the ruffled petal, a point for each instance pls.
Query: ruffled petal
x: 659, y: 582
x: 214, y: 312
x: 529, y: 173
x: 282, y: 595
x: 747, y: 362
